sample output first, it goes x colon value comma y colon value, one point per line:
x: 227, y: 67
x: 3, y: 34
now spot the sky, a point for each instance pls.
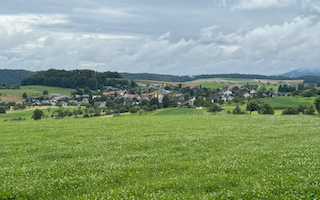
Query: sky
x: 180, y: 37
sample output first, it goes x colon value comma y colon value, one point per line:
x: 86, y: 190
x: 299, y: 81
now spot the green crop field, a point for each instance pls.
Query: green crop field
x: 285, y: 102
x: 161, y: 157
x: 34, y: 90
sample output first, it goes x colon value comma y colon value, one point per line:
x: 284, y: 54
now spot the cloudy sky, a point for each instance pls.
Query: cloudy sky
x: 181, y: 37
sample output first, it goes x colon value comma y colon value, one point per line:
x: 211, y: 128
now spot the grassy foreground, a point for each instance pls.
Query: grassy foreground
x: 161, y: 157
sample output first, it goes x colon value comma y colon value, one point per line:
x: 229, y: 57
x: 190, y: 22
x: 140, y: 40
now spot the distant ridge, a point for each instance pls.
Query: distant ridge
x: 302, y: 72
x: 14, y: 76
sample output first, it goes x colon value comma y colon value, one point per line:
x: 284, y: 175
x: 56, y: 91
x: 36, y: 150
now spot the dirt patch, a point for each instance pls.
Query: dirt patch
x: 106, y: 116
x: 11, y: 99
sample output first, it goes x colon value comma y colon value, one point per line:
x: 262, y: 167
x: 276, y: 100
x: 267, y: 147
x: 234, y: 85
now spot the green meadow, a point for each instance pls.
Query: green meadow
x: 285, y: 102
x: 34, y: 90
x: 161, y: 157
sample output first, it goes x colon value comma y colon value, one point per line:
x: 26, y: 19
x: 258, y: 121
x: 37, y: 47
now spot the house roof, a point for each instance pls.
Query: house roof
x: 112, y: 93
x: 131, y: 96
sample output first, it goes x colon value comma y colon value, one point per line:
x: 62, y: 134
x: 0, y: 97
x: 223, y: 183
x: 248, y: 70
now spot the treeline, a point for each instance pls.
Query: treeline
x: 310, y: 79
x: 75, y: 78
x: 173, y: 78
x: 13, y: 77
x: 5, y: 86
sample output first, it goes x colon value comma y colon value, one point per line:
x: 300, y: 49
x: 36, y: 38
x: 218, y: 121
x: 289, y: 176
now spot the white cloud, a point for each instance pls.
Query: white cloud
x: 262, y: 4
x: 124, y: 39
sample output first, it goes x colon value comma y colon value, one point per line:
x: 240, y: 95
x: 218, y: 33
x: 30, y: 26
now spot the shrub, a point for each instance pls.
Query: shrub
x: 291, y: 111
x: 86, y: 116
x: 135, y: 109
x: 2, y: 110
x: 310, y: 111
x: 237, y: 111
x: 266, y: 109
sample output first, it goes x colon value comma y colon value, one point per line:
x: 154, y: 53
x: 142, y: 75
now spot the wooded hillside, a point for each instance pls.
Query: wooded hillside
x: 9, y: 76
x: 74, y: 78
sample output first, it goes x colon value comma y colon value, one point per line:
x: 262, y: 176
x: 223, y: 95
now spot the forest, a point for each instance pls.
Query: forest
x: 13, y: 77
x: 75, y: 78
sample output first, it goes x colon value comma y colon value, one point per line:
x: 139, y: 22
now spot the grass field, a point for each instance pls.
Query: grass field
x: 34, y: 90
x: 215, y: 85
x: 28, y: 112
x: 161, y: 157
x: 285, y: 102
x: 180, y: 111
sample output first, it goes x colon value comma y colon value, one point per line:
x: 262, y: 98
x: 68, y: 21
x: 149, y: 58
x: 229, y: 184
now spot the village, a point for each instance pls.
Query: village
x: 184, y: 96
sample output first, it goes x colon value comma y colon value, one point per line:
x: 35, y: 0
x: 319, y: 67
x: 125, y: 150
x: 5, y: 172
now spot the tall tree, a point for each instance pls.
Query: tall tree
x: 166, y: 101
x: 317, y: 104
x: 37, y: 114
x: 253, y: 105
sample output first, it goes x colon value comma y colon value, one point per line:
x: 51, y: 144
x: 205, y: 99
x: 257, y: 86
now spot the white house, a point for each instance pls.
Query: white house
x: 253, y: 92
x: 246, y: 95
x: 228, y: 92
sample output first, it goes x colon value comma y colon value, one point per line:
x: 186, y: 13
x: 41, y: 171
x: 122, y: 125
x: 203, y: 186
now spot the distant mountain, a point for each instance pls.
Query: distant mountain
x: 302, y: 72
x: 13, y: 76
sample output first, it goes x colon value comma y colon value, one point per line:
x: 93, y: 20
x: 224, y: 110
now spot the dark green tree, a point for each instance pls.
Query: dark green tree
x: 291, y: 111
x: 86, y: 90
x: 37, y: 114
x: 135, y: 109
x: 266, y: 109
x: 214, y: 108
x: 237, y: 111
x: 154, y: 101
x: 301, y: 87
x: 302, y: 109
x: 253, y: 105
x: 317, y: 104
x: 132, y: 84
x: 2, y: 110
x: 45, y: 92
x: 310, y: 111
x: 166, y: 101
x: 24, y: 95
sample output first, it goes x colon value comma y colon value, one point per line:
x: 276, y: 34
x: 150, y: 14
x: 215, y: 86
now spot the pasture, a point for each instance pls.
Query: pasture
x: 286, y: 102
x: 32, y: 90
x: 161, y: 157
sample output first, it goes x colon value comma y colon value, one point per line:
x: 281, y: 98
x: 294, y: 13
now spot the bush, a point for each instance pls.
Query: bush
x: 266, y: 109
x: 86, y: 116
x: 238, y: 111
x: 97, y: 114
x: 310, y: 111
x: 291, y: 111
x: 135, y: 109
x: 2, y: 110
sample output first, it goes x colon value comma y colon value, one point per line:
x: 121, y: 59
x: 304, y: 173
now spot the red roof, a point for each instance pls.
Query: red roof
x: 131, y: 96
x: 111, y: 93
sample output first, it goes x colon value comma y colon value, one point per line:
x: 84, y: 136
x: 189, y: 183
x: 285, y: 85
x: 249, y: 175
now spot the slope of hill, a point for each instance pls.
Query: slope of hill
x: 161, y: 157
x: 14, y: 77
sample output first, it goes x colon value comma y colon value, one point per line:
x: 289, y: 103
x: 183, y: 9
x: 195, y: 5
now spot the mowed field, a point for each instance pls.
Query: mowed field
x: 8, y: 95
x: 161, y: 157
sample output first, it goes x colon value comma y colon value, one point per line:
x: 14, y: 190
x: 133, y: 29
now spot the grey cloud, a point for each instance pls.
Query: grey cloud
x: 172, y: 37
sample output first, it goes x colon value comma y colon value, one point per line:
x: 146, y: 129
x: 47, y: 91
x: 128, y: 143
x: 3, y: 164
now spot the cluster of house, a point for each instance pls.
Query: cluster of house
x: 225, y: 94
x: 54, y: 99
